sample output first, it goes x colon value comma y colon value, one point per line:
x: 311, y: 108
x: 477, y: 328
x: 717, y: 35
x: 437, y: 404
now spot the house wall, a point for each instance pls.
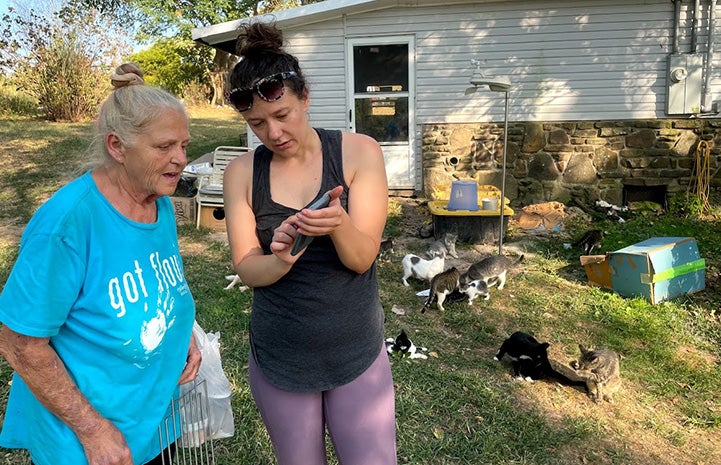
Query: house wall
x: 575, y: 162
x: 568, y: 61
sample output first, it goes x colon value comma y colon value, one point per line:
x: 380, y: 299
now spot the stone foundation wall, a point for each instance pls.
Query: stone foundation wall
x: 572, y: 162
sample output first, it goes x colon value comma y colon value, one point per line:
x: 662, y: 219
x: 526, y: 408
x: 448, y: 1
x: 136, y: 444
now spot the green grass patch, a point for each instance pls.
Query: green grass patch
x: 458, y: 406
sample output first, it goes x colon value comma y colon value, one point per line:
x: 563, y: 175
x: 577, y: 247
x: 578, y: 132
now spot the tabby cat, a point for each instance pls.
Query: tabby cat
x: 442, y: 284
x: 601, y: 368
x: 385, y: 251
x: 443, y: 247
x: 492, y: 270
x: 589, y: 241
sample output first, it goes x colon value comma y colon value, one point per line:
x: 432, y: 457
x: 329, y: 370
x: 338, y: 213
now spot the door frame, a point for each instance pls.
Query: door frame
x: 408, y: 40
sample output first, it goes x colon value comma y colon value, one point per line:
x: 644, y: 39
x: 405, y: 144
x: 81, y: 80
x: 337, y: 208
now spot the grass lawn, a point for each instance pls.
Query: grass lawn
x: 458, y: 406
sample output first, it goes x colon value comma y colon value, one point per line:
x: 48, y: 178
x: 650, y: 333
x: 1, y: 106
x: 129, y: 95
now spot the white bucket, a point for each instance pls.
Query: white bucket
x: 489, y: 204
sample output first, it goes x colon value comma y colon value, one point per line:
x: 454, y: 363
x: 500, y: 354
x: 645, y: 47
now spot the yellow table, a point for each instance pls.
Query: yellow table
x: 472, y: 226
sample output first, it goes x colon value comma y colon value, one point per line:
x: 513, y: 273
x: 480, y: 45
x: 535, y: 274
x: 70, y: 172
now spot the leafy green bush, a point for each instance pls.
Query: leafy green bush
x: 175, y: 65
x: 685, y: 205
x: 14, y: 102
x: 59, y: 58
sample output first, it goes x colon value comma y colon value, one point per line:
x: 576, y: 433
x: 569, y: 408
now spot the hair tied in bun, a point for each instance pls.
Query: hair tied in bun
x: 128, y: 74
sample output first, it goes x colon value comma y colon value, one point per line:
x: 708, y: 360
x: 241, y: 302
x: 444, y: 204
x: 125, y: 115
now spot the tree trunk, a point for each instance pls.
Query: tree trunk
x: 222, y: 63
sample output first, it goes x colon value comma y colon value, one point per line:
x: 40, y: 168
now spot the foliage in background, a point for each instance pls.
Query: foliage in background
x: 60, y: 58
x: 685, y: 205
x: 178, y: 65
x: 152, y: 20
x: 14, y: 103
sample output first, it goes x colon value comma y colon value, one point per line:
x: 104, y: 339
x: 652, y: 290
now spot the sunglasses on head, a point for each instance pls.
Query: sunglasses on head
x: 269, y: 88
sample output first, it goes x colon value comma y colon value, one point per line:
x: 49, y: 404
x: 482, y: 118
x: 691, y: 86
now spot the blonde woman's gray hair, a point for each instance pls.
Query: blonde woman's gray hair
x: 129, y: 109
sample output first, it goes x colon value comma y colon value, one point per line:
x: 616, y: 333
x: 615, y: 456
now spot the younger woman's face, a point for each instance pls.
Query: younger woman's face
x: 281, y: 125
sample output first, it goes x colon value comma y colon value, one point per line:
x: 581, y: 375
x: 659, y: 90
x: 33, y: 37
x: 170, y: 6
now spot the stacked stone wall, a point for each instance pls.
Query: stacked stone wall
x: 572, y: 162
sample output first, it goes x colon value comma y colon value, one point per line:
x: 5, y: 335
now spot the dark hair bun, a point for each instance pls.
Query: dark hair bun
x: 257, y: 39
x: 127, y: 74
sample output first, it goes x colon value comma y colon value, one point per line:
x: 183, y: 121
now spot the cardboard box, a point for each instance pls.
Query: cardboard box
x: 184, y: 209
x: 598, y: 270
x: 658, y: 268
x: 213, y: 217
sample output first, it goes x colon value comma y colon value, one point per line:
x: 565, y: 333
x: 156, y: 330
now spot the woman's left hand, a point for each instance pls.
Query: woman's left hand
x: 192, y: 362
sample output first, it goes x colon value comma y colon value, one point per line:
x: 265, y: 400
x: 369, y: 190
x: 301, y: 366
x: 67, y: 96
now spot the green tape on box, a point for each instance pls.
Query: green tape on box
x: 680, y: 270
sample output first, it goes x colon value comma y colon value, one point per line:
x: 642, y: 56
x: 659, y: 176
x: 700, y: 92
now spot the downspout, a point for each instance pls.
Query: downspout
x: 694, y: 35
x: 676, y: 25
x: 706, y: 96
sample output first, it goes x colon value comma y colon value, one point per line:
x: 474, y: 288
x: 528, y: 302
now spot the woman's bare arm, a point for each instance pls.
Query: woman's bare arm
x: 37, y: 363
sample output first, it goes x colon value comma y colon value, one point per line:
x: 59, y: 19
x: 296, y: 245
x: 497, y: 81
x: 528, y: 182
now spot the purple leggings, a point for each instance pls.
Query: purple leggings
x: 360, y: 417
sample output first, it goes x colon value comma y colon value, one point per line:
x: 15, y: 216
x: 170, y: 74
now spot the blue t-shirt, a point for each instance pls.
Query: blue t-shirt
x: 111, y: 295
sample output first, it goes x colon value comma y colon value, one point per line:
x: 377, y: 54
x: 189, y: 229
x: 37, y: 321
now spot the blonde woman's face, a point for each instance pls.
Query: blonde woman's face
x: 156, y: 158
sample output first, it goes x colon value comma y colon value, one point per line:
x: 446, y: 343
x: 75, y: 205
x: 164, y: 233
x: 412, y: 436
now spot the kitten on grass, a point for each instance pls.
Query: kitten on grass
x: 442, y: 284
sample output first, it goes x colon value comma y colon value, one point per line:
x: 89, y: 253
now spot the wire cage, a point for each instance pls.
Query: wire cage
x: 186, y: 429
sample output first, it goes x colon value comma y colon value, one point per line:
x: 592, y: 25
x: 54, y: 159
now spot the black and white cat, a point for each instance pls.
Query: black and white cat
x: 403, y: 345
x: 442, y: 284
x: 530, y: 359
x: 492, y: 270
x: 417, y: 267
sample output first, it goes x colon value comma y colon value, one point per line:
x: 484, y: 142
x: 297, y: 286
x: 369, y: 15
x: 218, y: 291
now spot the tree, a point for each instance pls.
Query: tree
x: 60, y: 57
x: 155, y: 19
x: 174, y: 64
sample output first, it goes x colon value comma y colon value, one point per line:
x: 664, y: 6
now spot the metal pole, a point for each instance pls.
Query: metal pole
x: 503, y: 178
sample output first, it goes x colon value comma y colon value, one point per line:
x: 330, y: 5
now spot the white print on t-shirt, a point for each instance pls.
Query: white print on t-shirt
x: 128, y: 291
x: 152, y: 332
x: 132, y: 283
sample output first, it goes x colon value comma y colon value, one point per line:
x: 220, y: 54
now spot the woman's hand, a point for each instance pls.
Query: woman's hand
x: 105, y: 445
x: 309, y: 223
x: 192, y: 362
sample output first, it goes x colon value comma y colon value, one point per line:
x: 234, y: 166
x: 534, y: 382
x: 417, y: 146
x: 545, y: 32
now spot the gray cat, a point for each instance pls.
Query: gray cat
x: 601, y: 369
x: 442, y: 284
x: 444, y: 246
x: 492, y: 270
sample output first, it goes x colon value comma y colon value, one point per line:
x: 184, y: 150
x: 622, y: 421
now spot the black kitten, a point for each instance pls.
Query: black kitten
x: 530, y: 359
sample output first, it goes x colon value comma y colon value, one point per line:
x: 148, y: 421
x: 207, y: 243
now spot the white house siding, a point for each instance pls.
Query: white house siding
x: 582, y: 60
x: 320, y: 49
x: 567, y: 60
x: 321, y: 53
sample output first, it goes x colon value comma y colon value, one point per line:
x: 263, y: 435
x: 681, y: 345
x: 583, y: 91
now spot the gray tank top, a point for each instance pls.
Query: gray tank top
x: 321, y: 325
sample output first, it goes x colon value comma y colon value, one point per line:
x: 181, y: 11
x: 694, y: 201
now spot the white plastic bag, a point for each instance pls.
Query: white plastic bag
x: 217, y: 385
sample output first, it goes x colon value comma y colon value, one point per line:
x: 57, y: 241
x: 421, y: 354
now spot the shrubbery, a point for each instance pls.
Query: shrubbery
x: 15, y: 103
x: 59, y: 60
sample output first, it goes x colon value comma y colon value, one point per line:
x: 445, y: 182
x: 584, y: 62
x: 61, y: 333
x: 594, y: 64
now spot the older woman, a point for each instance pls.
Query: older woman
x: 97, y: 315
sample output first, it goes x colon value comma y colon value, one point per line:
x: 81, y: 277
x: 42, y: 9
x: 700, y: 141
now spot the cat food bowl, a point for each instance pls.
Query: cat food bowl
x: 464, y: 196
x: 490, y: 204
